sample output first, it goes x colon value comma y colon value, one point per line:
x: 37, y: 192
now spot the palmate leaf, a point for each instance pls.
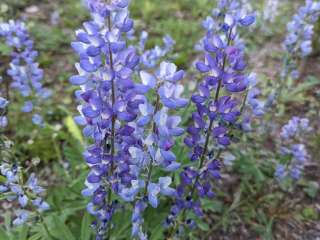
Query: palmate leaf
x: 122, y: 225
x: 36, y: 236
x: 38, y: 232
x: 212, y: 205
x: 155, y: 224
x: 203, y: 226
x: 296, y: 94
x: 61, y: 230
x: 44, y: 233
x: 23, y: 232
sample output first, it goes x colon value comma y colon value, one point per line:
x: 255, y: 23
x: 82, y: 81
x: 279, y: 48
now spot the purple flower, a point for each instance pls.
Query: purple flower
x: 40, y: 204
x: 151, y: 57
x: 137, y: 220
x: 37, y: 119
x: 24, y: 70
x: 22, y: 217
x: 208, y: 23
x: 292, y: 146
x: 3, y: 121
x: 295, y: 127
x: 153, y: 191
x: 168, y: 88
x: 3, y: 102
x: 24, y: 193
x: 299, y: 152
x: 32, y: 184
x: 22, y: 199
x: 112, y: 109
x: 223, y: 70
x: 27, y: 107
x: 298, y: 42
x: 164, y: 183
x: 129, y: 194
x: 280, y: 172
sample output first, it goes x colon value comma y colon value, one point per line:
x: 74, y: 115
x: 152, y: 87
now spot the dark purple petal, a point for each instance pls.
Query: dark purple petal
x: 247, y: 20
x: 224, y: 141
x: 125, y: 116
x: 92, y: 178
x: 202, y: 67
x: 83, y: 37
x: 86, y: 65
x: 89, y: 112
x: 177, y: 76
x: 93, y: 51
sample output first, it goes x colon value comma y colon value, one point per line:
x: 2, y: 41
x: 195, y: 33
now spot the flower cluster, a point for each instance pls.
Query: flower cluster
x: 298, y: 42
x: 28, y: 194
x: 150, y: 57
x: 109, y: 102
x: 130, y: 135
x: 157, y: 130
x: 292, y: 146
x: 236, y: 8
x: 255, y: 106
x: 271, y: 10
x: 218, y: 108
x: 24, y: 70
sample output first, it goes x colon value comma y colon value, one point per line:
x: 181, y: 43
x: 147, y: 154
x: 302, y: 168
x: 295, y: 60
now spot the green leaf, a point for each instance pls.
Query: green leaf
x: 310, y: 213
x: 212, y: 205
x: 23, y: 232
x: 36, y: 236
x: 301, y: 88
x: 311, y: 189
x: 85, y: 227
x: 73, y: 128
x: 236, y: 199
x: 2, y: 179
x: 62, y: 229
x: 44, y: 232
x: 203, y: 226
x: 4, y: 49
x: 3, y: 234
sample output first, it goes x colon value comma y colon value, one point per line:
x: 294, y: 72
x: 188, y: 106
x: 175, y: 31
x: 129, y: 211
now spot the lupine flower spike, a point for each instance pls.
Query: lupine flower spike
x: 298, y: 42
x: 292, y: 145
x: 117, y: 116
x: 29, y: 195
x: 217, y: 111
x: 24, y: 70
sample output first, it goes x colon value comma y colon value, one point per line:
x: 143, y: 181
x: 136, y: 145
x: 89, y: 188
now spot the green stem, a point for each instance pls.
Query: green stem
x: 154, y: 129
x: 243, y: 106
x: 113, y: 99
